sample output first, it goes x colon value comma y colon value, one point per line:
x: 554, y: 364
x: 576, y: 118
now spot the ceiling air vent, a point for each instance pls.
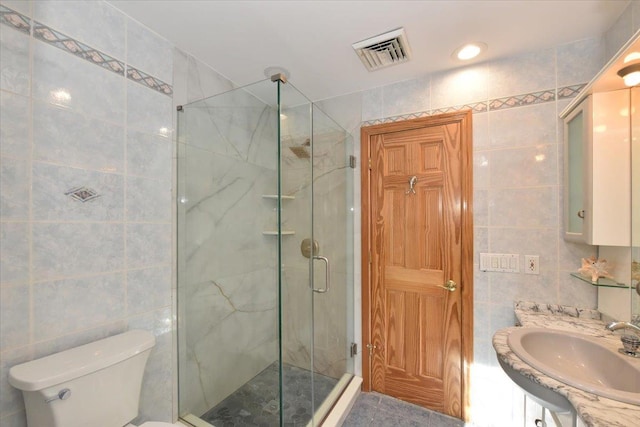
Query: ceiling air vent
x: 384, y: 50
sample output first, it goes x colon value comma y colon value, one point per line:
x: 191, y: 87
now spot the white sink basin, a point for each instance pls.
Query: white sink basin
x: 578, y: 360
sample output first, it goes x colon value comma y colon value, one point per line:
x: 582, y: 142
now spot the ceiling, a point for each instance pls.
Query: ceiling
x: 312, y: 39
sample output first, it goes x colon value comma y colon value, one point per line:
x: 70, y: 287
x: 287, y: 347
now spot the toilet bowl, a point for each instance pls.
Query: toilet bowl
x: 97, y: 384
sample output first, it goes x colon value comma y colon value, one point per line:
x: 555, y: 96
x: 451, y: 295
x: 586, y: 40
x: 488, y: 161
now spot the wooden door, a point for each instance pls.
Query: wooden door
x: 419, y: 238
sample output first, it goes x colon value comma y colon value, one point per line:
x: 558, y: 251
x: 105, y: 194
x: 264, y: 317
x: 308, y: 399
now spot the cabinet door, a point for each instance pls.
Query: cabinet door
x: 576, y: 135
x: 608, y: 214
x: 597, y: 170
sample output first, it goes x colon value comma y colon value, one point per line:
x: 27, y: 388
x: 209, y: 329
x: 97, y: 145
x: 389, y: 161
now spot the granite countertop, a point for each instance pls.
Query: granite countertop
x: 595, y: 411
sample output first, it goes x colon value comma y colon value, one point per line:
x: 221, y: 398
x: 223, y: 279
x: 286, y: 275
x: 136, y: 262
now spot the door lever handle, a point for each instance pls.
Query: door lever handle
x: 450, y: 286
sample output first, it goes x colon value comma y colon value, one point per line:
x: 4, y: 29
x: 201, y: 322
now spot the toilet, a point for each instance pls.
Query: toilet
x: 97, y: 384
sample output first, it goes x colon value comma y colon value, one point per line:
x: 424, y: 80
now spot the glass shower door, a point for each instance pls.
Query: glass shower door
x: 317, y: 280
x: 264, y: 259
x: 333, y: 229
x: 317, y: 276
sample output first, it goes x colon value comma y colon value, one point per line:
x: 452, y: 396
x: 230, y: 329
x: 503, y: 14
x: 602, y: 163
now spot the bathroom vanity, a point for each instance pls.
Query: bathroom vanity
x: 593, y: 410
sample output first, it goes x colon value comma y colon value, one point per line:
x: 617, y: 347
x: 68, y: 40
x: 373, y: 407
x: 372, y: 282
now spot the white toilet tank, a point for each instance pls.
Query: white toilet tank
x: 94, y: 385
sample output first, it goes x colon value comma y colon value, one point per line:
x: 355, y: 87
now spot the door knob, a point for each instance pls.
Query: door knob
x: 450, y: 286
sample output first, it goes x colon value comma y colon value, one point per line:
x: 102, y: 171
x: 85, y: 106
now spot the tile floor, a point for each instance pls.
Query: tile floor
x: 377, y: 410
x: 255, y: 404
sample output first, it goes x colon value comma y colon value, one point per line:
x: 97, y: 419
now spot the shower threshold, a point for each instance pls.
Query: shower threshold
x: 256, y: 402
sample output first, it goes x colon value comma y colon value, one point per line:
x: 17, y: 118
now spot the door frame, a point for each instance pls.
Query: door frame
x: 466, y: 287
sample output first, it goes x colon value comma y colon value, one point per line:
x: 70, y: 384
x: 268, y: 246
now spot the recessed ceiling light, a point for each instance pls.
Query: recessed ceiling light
x: 469, y: 51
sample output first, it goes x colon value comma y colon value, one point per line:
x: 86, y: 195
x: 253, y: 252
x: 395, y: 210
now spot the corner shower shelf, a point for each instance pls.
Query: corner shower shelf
x: 602, y: 282
x: 275, y: 196
x: 275, y: 233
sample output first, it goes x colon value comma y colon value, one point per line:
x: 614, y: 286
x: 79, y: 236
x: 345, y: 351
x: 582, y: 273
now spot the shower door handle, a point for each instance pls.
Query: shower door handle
x: 327, y: 271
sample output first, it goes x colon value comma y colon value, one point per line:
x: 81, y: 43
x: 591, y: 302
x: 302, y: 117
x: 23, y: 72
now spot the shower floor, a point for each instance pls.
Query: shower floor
x: 256, y: 402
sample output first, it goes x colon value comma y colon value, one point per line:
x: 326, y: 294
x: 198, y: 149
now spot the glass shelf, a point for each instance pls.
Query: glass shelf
x: 602, y: 282
x: 275, y: 233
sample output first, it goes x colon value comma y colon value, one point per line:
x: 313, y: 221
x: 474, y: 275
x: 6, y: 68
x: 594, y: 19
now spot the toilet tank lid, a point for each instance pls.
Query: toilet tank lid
x: 79, y: 361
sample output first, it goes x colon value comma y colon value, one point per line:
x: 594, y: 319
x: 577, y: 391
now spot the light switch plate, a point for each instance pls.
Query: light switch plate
x: 505, y: 263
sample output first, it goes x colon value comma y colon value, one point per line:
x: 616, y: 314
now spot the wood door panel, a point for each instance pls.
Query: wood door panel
x: 421, y: 344
x: 452, y: 378
x: 417, y: 277
x: 414, y: 335
x: 395, y: 235
x: 401, y: 334
x: 411, y: 243
x: 395, y: 356
x: 409, y: 136
x: 431, y: 159
x: 406, y: 232
x: 428, y: 228
x: 409, y: 390
x: 395, y: 162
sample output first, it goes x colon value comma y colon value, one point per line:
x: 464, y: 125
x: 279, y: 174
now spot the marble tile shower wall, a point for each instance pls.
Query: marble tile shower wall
x: 228, y: 292
x: 83, y: 112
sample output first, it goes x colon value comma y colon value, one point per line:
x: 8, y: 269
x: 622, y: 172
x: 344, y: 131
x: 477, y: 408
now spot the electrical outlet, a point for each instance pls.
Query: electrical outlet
x: 532, y: 264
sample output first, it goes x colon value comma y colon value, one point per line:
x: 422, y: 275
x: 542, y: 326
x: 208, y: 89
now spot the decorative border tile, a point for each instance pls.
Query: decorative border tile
x: 478, y: 107
x: 14, y: 19
x: 570, y: 91
x: 81, y: 50
x: 522, y: 100
x: 148, y: 81
x: 492, y: 105
x: 61, y: 41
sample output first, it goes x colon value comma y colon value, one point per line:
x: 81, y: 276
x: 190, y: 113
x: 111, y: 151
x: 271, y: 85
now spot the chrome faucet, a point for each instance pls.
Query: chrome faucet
x: 630, y: 343
x: 614, y: 326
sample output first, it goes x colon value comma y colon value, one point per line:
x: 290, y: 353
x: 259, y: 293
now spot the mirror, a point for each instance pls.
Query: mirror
x: 623, y: 303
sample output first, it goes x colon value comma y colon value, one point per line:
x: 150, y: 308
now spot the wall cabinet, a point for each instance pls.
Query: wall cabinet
x: 597, y: 193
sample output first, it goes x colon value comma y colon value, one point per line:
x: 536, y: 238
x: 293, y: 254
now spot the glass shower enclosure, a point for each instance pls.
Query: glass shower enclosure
x: 265, y: 280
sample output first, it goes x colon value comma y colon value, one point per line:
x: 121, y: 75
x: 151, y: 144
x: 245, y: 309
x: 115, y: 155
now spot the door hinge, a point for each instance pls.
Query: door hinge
x: 369, y: 163
x: 354, y: 349
x: 369, y: 256
x: 352, y: 161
